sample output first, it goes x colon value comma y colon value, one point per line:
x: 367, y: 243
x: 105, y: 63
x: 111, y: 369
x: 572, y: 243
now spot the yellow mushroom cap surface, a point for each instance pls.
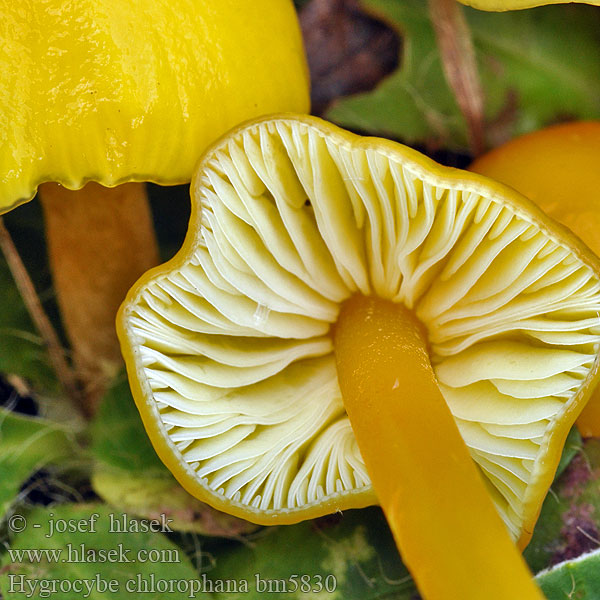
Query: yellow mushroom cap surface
x: 502, y: 5
x: 229, y: 349
x: 114, y: 91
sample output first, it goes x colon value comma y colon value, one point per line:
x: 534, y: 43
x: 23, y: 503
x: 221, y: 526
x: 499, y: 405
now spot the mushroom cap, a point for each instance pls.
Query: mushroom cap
x: 502, y: 5
x: 115, y: 91
x: 557, y: 168
x: 228, y: 345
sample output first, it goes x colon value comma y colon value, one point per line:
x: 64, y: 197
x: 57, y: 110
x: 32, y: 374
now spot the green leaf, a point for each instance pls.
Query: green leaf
x: 577, y: 579
x: 150, y: 497
x: 536, y: 66
x: 353, y: 555
x: 543, y: 544
x: 26, y: 445
x: 129, y: 475
x: 569, y: 523
x: 573, y: 445
x: 126, y: 558
x: 118, y: 437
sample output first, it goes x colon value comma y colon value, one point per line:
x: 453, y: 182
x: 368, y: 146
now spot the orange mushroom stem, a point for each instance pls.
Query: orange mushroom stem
x: 443, y: 520
x: 100, y: 240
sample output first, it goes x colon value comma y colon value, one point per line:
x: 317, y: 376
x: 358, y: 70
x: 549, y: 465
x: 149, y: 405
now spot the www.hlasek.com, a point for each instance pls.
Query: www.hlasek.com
x: 131, y: 582
x: 151, y: 584
x: 81, y: 553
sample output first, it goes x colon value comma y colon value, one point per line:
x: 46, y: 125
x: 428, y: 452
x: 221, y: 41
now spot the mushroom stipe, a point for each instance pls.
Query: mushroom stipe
x: 436, y: 503
x: 230, y: 352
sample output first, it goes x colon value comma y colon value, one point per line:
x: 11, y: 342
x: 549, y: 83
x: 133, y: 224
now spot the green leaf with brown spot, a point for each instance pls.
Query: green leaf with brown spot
x: 341, y: 557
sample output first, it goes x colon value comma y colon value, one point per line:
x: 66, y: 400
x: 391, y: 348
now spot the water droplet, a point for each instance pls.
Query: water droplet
x: 261, y: 314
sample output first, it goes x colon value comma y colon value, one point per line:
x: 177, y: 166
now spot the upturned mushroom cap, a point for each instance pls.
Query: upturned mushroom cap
x: 116, y: 91
x: 557, y: 168
x: 502, y: 5
x: 228, y: 346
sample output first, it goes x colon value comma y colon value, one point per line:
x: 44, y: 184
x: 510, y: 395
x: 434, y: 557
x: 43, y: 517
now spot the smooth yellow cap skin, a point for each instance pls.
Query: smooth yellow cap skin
x: 114, y: 91
x: 502, y: 5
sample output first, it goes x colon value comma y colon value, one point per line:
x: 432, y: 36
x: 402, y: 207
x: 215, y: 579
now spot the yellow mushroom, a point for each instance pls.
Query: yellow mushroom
x: 113, y: 91
x: 343, y: 314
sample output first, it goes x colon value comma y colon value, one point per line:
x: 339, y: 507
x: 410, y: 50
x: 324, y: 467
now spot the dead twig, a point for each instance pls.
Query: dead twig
x: 460, y: 66
x: 56, y: 354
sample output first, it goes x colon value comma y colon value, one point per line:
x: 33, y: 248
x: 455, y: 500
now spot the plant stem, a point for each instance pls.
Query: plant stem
x: 56, y: 354
x: 460, y: 66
